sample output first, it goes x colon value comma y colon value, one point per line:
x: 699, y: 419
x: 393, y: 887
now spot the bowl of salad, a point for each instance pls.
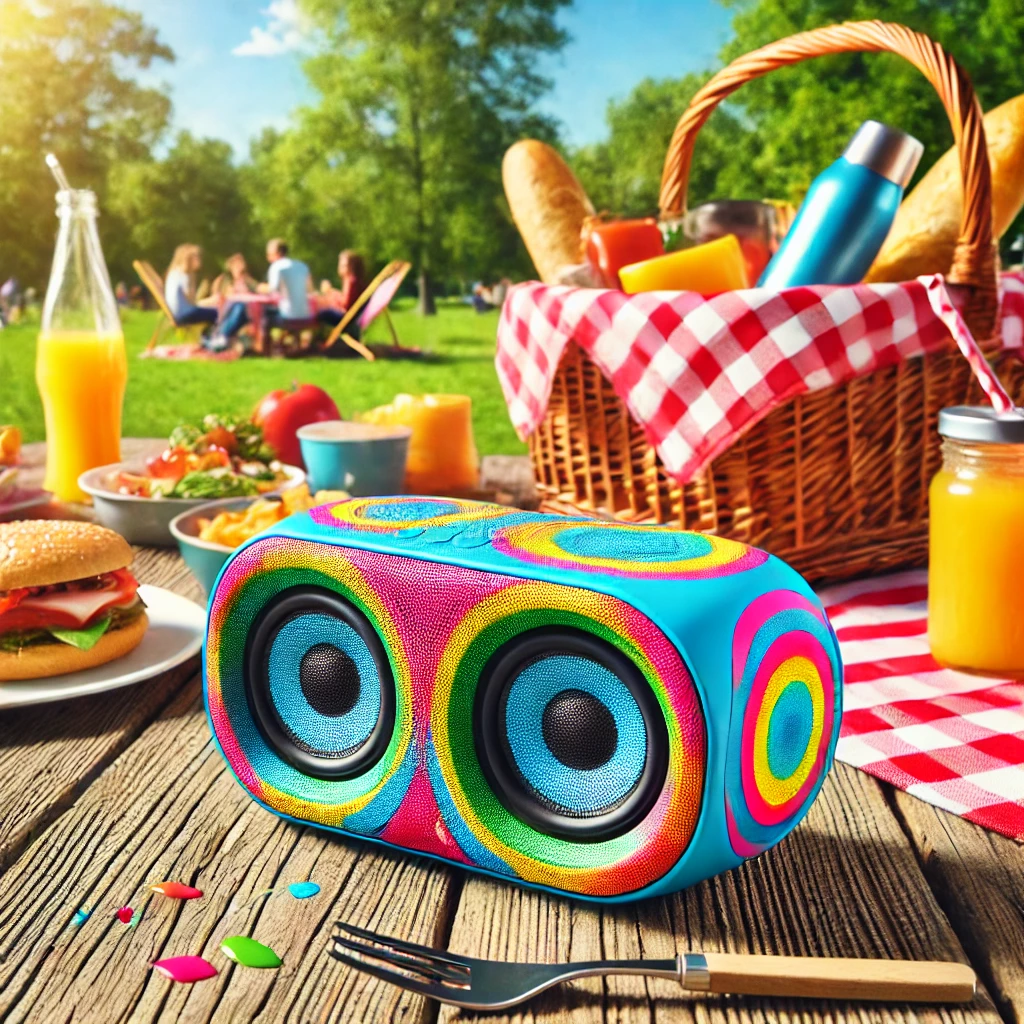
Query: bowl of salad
x: 217, y: 459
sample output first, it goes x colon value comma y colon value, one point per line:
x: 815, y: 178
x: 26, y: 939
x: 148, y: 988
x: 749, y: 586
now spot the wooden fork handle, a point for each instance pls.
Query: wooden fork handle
x: 897, y: 981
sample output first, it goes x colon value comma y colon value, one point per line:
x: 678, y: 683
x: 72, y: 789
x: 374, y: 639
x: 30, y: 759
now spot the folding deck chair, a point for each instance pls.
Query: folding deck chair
x: 155, y: 286
x: 374, y: 300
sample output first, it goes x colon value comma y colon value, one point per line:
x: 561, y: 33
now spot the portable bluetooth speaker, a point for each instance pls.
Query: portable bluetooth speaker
x: 606, y: 710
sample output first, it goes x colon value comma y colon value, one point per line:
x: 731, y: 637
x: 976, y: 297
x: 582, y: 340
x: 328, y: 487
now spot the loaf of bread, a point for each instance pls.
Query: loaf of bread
x: 548, y: 205
x: 925, y: 230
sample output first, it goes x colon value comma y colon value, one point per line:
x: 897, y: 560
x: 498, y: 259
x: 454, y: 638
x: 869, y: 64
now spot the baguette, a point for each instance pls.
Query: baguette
x: 927, y: 223
x: 548, y: 205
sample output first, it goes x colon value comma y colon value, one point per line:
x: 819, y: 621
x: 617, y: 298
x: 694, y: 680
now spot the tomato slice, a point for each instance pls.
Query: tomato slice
x: 66, y: 605
x: 171, y: 464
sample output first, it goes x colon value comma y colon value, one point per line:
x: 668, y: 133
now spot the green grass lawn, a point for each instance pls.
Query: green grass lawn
x: 161, y: 394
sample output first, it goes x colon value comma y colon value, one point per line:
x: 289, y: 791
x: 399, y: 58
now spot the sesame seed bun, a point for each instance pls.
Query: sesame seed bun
x: 38, y: 661
x: 41, y: 552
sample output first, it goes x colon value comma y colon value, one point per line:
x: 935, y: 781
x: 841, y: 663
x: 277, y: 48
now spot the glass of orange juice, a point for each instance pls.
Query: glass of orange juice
x: 81, y: 369
x: 976, y: 543
x: 443, y: 457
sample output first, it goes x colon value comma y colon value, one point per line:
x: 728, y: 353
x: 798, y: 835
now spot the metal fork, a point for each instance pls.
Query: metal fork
x: 495, y: 985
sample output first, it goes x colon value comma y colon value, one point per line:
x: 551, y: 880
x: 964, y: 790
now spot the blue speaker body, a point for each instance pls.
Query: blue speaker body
x: 599, y: 709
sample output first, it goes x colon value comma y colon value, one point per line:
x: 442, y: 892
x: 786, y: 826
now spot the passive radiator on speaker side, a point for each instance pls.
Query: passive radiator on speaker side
x: 309, y: 687
x: 787, y: 696
x: 623, y: 549
x: 519, y: 792
x: 570, y: 735
x: 405, y: 515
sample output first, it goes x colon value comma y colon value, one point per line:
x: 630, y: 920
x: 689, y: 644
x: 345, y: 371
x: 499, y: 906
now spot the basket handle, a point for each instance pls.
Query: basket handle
x: 975, y: 257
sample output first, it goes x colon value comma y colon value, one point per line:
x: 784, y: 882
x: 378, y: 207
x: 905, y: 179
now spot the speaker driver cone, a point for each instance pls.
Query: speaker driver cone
x: 570, y: 735
x: 320, y: 687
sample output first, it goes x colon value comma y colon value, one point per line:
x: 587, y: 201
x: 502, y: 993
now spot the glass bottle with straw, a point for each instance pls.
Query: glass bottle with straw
x: 81, y: 369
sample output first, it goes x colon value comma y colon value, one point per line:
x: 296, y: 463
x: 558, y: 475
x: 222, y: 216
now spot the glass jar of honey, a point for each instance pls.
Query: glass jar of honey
x: 976, y: 543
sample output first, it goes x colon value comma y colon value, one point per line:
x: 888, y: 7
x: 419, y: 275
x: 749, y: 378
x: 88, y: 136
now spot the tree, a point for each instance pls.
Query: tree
x: 418, y: 101
x: 67, y: 86
x: 623, y: 173
x: 803, y: 115
x: 193, y: 194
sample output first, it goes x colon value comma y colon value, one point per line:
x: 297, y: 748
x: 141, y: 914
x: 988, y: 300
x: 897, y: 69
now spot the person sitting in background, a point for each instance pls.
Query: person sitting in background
x: 480, y: 299
x: 352, y: 278
x: 180, y: 287
x: 121, y: 293
x: 289, y: 279
x: 236, y: 278
x: 499, y: 291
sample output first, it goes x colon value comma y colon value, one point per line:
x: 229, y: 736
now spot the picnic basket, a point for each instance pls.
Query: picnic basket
x: 834, y: 481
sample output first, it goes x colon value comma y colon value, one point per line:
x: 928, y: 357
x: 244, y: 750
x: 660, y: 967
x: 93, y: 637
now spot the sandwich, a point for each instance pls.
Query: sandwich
x: 67, y: 598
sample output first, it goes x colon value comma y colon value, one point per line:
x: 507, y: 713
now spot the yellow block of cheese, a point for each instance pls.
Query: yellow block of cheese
x: 710, y: 268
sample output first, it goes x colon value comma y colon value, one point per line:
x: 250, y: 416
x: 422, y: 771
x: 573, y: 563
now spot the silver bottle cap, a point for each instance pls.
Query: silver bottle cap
x: 886, y: 151
x: 981, y: 423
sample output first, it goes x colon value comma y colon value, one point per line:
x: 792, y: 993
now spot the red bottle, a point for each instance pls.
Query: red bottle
x: 621, y: 242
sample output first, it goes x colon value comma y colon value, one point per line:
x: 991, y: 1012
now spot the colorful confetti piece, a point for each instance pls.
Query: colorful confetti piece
x: 81, y: 916
x: 185, y: 969
x: 125, y: 914
x: 136, y: 918
x: 177, y: 890
x: 248, y: 952
x: 303, y: 890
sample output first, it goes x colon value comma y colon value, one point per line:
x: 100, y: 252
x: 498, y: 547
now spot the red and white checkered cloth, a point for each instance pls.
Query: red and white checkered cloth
x: 952, y: 739
x: 696, y: 373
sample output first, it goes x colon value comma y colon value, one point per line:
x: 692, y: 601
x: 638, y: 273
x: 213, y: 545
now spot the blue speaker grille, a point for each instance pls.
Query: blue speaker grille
x: 301, y: 639
x: 574, y: 791
x: 632, y: 545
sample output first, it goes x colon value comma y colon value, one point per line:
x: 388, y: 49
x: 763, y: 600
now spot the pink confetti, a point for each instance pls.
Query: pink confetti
x: 185, y: 969
x: 124, y: 915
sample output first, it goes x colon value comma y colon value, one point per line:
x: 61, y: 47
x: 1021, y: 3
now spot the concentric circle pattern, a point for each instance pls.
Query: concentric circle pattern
x: 481, y: 824
x: 624, y: 550
x: 302, y: 647
x: 787, y: 683
x: 390, y: 514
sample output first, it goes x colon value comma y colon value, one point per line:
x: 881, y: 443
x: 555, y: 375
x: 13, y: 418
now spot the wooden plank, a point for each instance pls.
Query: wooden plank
x: 845, y: 883
x: 50, y: 753
x: 168, y: 808
x: 978, y: 878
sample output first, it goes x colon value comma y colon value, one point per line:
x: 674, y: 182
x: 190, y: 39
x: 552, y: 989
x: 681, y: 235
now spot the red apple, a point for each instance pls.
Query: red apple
x: 281, y: 413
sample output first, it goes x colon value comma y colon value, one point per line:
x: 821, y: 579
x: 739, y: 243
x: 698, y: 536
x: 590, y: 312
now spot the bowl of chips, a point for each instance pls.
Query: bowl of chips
x: 208, y: 533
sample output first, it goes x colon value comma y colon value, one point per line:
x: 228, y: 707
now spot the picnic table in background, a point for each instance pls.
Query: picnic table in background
x: 103, y: 795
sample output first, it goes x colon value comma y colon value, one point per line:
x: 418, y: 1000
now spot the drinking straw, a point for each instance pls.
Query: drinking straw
x: 58, y: 172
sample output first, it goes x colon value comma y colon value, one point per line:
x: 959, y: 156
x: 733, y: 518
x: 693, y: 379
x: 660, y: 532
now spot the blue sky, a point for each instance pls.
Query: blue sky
x: 238, y: 61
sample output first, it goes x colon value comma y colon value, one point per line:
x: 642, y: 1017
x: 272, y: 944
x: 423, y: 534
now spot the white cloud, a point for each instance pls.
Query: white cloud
x: 286, y: 30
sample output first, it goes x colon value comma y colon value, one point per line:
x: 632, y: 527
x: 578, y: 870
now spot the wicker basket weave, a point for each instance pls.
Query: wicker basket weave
x: 835, y: 482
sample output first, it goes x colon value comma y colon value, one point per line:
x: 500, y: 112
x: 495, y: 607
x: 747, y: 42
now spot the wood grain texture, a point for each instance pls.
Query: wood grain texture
x: 845, y: 883
x: 50, y: 753
x: 168, y: 808
x: 978, y: 879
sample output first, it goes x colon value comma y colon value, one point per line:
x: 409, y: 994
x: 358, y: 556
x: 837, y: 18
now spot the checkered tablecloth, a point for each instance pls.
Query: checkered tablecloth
x: 952, y: 739
x: 696, y: 373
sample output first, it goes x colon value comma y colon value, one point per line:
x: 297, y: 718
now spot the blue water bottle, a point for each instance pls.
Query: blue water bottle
x: 848, y: 211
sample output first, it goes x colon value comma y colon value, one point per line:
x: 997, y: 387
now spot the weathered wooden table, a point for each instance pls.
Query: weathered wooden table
x: 101, y: 796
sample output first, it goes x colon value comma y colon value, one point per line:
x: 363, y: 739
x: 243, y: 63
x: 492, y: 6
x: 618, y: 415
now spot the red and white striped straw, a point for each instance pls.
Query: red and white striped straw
x: 940, y: 301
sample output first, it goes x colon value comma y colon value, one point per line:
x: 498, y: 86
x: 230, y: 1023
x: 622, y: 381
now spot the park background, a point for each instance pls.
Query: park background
x: 395, y: 151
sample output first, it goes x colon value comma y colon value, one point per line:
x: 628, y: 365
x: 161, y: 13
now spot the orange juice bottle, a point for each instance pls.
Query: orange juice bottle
x: 976, y: 543
x: 81, y: 367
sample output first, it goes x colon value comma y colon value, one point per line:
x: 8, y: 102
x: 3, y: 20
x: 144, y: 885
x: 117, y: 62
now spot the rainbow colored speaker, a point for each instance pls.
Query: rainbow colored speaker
x: 606, y: 710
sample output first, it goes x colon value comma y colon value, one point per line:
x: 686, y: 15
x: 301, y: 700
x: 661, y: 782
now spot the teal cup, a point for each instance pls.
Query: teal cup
x: 361, y: 458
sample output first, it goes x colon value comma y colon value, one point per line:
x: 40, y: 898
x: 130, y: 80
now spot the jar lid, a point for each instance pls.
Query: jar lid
x: 981, y: 423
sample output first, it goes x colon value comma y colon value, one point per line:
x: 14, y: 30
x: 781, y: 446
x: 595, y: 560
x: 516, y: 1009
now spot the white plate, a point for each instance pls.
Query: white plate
x: 175, y: 634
